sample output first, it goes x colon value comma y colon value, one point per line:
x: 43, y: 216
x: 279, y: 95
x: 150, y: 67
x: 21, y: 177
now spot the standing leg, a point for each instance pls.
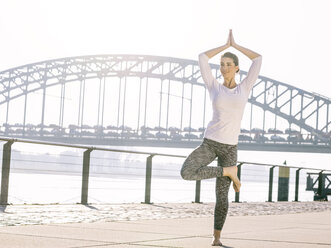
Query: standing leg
x: 222, y: 202
x: 227, y: 157
x: 221, y: 207
x: 195, y: 166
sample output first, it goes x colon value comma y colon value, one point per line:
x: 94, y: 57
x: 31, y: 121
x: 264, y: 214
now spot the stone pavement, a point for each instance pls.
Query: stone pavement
x: 135, y: 225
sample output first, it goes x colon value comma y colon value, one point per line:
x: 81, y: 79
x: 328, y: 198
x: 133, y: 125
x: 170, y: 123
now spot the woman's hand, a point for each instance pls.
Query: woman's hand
x: 249, y: 53
x: 228, y: 43
x: 231, y: 39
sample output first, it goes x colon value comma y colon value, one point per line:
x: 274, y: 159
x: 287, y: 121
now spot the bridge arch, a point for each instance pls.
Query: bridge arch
x: 308, y: 111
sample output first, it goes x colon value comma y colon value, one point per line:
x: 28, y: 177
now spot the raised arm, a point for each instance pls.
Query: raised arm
x: 212, y: 52
x: 254, y: 70
x: 249, y: 53
x: 210, y: 82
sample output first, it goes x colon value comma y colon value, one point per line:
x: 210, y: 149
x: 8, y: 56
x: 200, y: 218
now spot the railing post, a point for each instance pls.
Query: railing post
x: 5, y: 172
x: 271, y: 179
x: 197, y: 191
x: 297, y: 178
x: 85, y: 178
x: 239, y: 175
x: 148, y: 179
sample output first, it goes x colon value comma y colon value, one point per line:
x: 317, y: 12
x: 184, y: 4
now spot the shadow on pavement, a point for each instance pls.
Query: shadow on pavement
x: 90, y: 207
x: 3, y: 208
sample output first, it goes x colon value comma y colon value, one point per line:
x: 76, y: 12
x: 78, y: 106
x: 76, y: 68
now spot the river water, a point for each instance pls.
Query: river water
x: 41, y: 174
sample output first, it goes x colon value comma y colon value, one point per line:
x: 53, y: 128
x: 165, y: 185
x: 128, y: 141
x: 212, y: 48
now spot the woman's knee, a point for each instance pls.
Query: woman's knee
x: 186, y: 168
x: 188, y: 171
x: 185, y: 173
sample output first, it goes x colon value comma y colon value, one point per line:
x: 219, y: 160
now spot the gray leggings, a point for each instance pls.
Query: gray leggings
x: 195, y: 168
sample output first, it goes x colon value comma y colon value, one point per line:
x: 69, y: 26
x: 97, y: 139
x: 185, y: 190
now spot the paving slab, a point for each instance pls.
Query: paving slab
x: 309, y: 229
x: 101, y: 235
x: 25, y: 240
x: 164, y: 226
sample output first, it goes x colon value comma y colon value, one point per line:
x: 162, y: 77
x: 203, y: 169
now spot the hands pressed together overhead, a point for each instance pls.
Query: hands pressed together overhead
x: 230, y: 42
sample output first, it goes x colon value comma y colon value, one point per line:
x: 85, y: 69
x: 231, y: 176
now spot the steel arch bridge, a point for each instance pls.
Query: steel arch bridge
x: 150, y: 100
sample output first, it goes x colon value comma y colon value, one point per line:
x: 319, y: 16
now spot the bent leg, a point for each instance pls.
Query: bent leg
x: 195, y: 166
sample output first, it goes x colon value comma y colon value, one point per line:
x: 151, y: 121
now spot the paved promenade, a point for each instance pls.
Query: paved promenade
x: 306, y: 224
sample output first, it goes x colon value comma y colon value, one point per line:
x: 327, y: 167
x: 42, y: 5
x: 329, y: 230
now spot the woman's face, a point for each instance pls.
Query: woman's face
x: 228, y: 68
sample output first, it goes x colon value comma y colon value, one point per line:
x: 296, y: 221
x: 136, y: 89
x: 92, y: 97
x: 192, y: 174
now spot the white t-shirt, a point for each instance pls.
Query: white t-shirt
x: 228, y: 104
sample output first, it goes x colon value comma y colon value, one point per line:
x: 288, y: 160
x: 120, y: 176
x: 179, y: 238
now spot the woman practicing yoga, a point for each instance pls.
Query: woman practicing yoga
x: 221, y: 135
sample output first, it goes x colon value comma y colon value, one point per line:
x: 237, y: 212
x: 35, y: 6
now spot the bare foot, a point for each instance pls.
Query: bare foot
x: 216, y: 242
x: 216, y: 239
x: 231, y: 172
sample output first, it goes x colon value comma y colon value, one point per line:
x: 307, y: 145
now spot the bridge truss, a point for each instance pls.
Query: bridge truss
x: 132, y: 96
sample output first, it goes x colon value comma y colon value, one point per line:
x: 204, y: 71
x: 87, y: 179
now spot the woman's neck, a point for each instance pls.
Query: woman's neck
x: 230, y: 83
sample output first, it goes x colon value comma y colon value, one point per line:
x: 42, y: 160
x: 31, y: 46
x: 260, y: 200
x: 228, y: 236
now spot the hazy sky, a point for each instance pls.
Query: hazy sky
x: 293, y: 36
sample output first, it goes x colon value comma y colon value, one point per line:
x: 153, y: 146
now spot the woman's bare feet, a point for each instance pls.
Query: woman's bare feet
x: 216, y: 239
x: 231, y: 172
x: 216, y: 242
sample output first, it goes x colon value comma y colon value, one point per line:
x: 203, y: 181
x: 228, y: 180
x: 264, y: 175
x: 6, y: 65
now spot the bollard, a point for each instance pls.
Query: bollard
x: 309, y: 183
x: 85, y: 176
x: 321, y: 194
x: 237, y: 194
x: 148, y: 179
x: 197, y: 191
x: 271, y: 181
x: 283, y: 183
x: 297, y: 178
x: 5, y: 172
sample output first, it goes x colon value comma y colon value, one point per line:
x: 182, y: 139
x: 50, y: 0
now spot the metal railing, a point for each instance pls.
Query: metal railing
x: 148, y: 175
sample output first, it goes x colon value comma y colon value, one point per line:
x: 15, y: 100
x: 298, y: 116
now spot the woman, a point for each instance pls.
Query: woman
x: 221, y: 135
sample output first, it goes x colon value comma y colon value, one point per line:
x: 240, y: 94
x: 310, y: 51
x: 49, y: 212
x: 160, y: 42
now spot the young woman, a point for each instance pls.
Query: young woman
x: 221, y: 135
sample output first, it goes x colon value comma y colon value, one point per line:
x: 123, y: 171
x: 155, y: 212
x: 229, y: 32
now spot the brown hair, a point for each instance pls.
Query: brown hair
x: 233, y: 57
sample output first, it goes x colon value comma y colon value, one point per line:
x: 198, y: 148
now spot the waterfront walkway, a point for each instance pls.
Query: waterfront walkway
x: 165, y: 225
